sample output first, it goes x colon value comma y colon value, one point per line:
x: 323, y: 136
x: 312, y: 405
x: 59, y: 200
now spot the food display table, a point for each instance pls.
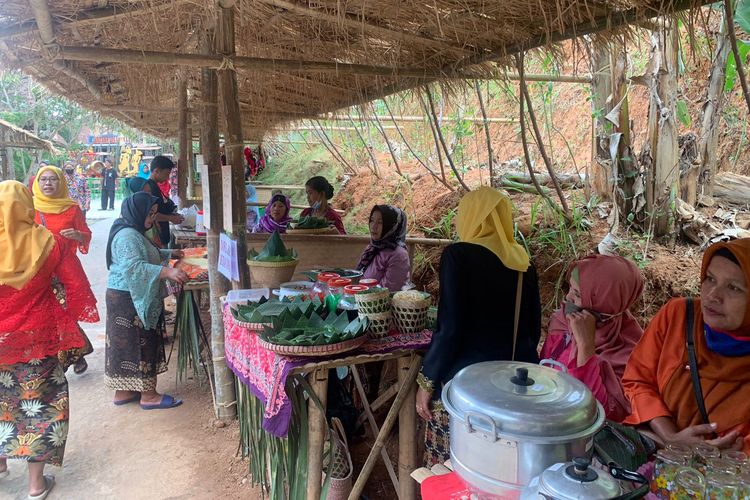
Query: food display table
x: 186, y: 238
x: 265, y: 375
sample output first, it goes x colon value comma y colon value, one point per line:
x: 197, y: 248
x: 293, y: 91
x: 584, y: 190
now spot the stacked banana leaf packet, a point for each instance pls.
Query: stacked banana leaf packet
x: 273, y: 251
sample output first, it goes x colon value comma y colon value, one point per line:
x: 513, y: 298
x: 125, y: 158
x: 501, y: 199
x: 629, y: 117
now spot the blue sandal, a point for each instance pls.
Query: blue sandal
x: 166, y: 402
x: 131, y: 399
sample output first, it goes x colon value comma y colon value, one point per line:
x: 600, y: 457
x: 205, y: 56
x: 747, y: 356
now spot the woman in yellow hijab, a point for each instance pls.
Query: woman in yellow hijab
x: 35, y: 327
x: 489, y: 307
x: 56, y: 211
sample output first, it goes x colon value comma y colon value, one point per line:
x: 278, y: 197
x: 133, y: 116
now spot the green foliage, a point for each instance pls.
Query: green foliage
x: 444, y: 228
x: 683, y: 114
x: 273, y: 251
x: 743, y: 47
x: 742, y: 15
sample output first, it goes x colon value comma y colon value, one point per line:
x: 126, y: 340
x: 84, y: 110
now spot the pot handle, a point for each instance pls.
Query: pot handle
x: 482, y: 418
x: 554, y: 364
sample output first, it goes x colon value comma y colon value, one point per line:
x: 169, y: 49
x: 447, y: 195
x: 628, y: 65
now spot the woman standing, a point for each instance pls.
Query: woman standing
x: 594, y: 333
x: 78, y: 188
x: 276, y: 217
x: 319, y: 191
x: 34, y: 327
x: 135, y: 322
x: 56, y: 211
x: 480, y: 317
x: 386, y: 258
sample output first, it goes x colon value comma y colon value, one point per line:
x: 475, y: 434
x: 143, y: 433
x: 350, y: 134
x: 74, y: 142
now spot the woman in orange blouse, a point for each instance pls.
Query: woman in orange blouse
x: 61, y: 215
x: 657, y: 379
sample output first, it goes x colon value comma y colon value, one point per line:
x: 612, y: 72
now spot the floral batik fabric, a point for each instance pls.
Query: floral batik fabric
x: 437, y: 445
x: 34, y: 411
x: 134, y: 355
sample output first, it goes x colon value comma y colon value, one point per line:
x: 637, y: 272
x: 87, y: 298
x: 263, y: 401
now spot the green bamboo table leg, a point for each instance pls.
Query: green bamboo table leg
x: 317, y: 429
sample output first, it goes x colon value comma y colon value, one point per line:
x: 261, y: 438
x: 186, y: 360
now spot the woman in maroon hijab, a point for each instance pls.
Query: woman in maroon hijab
x: 593, y: 333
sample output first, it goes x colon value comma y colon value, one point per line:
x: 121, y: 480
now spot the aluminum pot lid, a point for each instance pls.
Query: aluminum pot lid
x: 523, y: 399
x: 574, y: 480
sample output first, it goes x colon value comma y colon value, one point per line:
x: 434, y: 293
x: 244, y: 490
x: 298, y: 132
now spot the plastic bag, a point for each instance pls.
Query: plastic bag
x: 189, y: 213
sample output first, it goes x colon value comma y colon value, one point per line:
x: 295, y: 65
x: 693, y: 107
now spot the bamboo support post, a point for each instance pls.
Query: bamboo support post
x: 407, y: 430
x: 233, y: 142
x: 317, y: 430
x: 183, y: 168
x: 403, y: 397
x: 225, y: 400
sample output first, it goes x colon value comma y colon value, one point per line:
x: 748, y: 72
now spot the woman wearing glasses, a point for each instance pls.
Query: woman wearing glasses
x: 593, y: 333
x: 62, y: 216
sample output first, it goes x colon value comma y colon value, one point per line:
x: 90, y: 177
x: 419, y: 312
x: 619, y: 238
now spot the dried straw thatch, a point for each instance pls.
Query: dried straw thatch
x: 14, y: 137
x: 351, y: 51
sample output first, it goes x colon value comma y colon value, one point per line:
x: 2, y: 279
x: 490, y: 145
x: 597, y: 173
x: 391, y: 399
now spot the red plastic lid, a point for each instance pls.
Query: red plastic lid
x: 352, y: 289
x: 369, y: 282
x: 339, y: 282
x: 326, y: 277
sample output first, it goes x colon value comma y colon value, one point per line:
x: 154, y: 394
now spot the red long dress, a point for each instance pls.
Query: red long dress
x: 33, y: 324
x: 71, y: 218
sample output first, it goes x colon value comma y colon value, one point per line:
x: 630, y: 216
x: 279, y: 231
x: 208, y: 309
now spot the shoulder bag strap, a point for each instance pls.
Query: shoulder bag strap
x: 516, y: 317
x: 690, y: 341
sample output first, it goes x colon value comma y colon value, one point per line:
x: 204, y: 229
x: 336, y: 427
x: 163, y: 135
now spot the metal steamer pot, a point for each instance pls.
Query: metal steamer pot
x: 509, y: 421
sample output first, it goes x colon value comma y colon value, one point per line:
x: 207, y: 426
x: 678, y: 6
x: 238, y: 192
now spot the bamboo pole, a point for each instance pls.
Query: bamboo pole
x: 403, y: 396
x: 487, y: 137
x: 317, y: 427
x: 182, y: 163
x: 225, y: 400
x: 407, y: 429
x: 233, y: 143
x: 442, y: 140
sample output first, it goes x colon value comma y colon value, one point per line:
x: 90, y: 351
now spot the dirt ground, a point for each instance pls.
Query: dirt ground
x: 127, y: 453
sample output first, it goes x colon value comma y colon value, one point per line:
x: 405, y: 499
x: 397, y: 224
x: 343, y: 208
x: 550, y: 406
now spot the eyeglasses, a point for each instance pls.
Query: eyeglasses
x: 48, y: 180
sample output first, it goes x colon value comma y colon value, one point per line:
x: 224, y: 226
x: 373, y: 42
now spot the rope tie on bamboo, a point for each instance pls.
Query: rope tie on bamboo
x: 51, y: 50
x: 227, y: 64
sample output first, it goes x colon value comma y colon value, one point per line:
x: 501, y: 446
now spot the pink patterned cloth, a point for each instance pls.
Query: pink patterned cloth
x: 265, y: 372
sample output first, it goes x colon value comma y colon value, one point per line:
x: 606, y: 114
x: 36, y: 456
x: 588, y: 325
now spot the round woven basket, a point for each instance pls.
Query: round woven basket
x: 410, y: 316
x: 374, y: 302
x: 380, y: 324
x: 320, y: 230
x: 314, y: 350
x: 271, y: 274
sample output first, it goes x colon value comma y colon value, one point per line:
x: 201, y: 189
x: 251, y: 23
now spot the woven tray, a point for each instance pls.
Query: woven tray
x: 305, y: 351
x: 320, y: 230
x: 253, y: 327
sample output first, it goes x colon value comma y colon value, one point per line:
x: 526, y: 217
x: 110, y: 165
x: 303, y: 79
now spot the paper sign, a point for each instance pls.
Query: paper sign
x: 206, y: 195
x: 228, y: 265
x: 226, y: 195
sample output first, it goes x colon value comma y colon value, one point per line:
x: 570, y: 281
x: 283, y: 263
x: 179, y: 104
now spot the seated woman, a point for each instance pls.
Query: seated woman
x: 276, y: 217
x: 62, y: 216
x: 386, y: 258
x: 594, y: 332
x: 658, y: 380
x: 319, y: 191
x: 480, y: 278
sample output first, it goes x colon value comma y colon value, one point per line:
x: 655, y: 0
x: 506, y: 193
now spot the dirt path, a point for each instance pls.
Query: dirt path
x: 125, y: 452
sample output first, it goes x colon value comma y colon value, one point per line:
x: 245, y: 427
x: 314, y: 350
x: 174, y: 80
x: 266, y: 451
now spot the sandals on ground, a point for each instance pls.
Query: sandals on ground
x: 166, y: 402
x: 49, y: 483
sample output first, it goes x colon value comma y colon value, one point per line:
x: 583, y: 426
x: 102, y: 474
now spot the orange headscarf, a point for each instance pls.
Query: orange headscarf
x: 741, y: 251
x: 56, y: 204
x: 24, y: 246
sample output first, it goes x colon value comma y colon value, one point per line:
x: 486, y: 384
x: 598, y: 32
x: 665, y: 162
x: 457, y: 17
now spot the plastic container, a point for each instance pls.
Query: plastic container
x: 689, y: 484
x: 702, y: 453
x: 200, y: 229
x: 336, y: 285
x: 235, y: 297
x: 666, y: 466
x: 348, y: 303
x: 321, y: 287
x: 722, y: 486
x: 369, y: 282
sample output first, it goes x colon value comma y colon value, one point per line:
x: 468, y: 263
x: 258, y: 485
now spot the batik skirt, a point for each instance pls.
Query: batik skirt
x: 34, y: 411
x: 437, y: 445
x: 134, y: 356
x: 72, y: 356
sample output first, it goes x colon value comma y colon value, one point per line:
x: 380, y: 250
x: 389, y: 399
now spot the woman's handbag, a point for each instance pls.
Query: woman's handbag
x: 340, y: 469
x: 623, y: 446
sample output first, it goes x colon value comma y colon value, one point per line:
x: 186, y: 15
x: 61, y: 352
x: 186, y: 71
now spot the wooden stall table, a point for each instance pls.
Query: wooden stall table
x: 265, y: 374
x: 186, y: 238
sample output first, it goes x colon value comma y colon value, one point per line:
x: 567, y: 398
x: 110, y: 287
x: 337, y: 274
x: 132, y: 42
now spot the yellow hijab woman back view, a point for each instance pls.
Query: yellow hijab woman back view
x: 24, y: 246
x: 52, y: 204
x: 485, y: 217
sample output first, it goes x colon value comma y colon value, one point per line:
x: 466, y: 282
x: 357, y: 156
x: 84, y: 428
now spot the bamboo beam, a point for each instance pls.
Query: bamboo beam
x: 358, y: 23
x: 233, y: 144
x: 183, y: 168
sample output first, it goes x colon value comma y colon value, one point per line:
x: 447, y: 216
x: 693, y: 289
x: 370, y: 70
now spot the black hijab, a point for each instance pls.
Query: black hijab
x: 393, y: 235
x: 133, y: 214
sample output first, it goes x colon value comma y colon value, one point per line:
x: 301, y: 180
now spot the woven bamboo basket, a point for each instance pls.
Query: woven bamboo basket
x: 374, y: 302
x: 314, y: 350
x: 432, y: 314
x: 271, y: 274
x: 380, y: 324
x: 410, y: 314
x: 320, y: 230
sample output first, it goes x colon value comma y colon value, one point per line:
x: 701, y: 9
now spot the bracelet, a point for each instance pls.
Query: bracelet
x: 425, y: 383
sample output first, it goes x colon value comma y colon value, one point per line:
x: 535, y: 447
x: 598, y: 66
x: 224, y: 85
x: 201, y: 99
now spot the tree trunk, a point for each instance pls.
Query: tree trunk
x: 223, y: 380
x: 601, y: 89
x: 233, y: 142
x: 709, y: 136
x: 183, y: 167
x: 663, y: 178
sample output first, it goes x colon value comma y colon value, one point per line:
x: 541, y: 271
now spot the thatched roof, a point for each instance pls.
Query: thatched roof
x: 352, y: 51
x: 15, y: 137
